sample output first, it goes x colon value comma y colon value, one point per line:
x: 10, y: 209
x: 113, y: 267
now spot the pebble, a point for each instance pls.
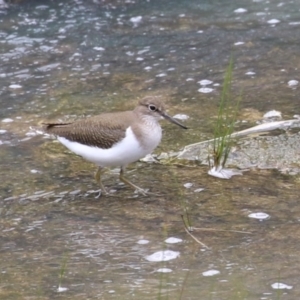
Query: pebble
x: 272, y: 114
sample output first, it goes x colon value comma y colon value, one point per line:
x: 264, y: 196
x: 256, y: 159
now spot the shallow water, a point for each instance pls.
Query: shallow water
x: 66, y: 60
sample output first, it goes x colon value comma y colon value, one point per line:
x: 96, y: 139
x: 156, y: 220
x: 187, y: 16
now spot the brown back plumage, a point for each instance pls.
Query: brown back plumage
x: 101, y: 131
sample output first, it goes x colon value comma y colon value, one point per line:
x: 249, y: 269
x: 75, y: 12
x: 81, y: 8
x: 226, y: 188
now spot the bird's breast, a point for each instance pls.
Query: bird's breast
x: 148, y: 134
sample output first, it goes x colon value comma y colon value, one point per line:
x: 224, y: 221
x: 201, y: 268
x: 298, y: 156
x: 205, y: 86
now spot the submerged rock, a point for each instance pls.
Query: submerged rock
x: 265, y: 152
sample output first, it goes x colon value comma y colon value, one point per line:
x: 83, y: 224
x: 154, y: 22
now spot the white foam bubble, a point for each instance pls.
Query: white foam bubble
x: 273, y: 21
x: 281, y: 286
x: 181, y: 117
x: 240, y: 10
x: 7, y: 120
x: 239, y: 43
x: 293, y: 82
x: 165, y: 255
x: 61, y: 289
x: 205, y: 82
x: 211, y: 273
x: 15, y: 86
x: 99, y: 48
x: 188, y: 185
x: 142, y: 242
x: 173, y: 240
x: 161, y: 75
x: 136, y: 19
x: 259, y: 215
x: 164, y: 270
x: 205, y: 90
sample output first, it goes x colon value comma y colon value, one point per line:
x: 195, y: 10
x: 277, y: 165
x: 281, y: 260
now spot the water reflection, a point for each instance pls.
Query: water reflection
x: 74, y: 58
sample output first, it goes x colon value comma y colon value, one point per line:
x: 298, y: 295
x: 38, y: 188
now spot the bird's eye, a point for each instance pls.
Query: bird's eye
x: 152, y: 107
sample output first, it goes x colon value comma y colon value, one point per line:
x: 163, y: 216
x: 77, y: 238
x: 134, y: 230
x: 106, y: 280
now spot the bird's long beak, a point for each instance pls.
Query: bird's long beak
x: 169, y: 118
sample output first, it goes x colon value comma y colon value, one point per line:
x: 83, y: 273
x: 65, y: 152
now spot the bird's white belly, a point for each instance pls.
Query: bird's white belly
x: 121, y: 154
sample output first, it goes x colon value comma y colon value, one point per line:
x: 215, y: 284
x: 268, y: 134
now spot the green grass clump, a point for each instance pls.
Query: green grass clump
x: 227, y: 115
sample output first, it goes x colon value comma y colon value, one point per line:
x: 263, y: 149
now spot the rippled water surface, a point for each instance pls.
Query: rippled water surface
x: 68, y: 59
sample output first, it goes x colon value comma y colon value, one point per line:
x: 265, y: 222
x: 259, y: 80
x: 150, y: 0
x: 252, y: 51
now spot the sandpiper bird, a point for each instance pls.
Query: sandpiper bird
x: 115, y: 139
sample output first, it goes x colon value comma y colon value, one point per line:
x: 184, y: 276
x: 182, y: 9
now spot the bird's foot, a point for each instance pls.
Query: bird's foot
x: 113, y: 193
x: 100, y: 193
x: 103, y: 192
x: 139, y: 190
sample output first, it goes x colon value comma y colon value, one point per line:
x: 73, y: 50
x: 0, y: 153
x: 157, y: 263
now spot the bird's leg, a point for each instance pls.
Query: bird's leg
x: 98, y: 179
x: 126, y: 181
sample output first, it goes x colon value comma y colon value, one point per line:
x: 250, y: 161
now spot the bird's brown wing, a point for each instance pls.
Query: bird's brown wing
x: 101, y: 131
